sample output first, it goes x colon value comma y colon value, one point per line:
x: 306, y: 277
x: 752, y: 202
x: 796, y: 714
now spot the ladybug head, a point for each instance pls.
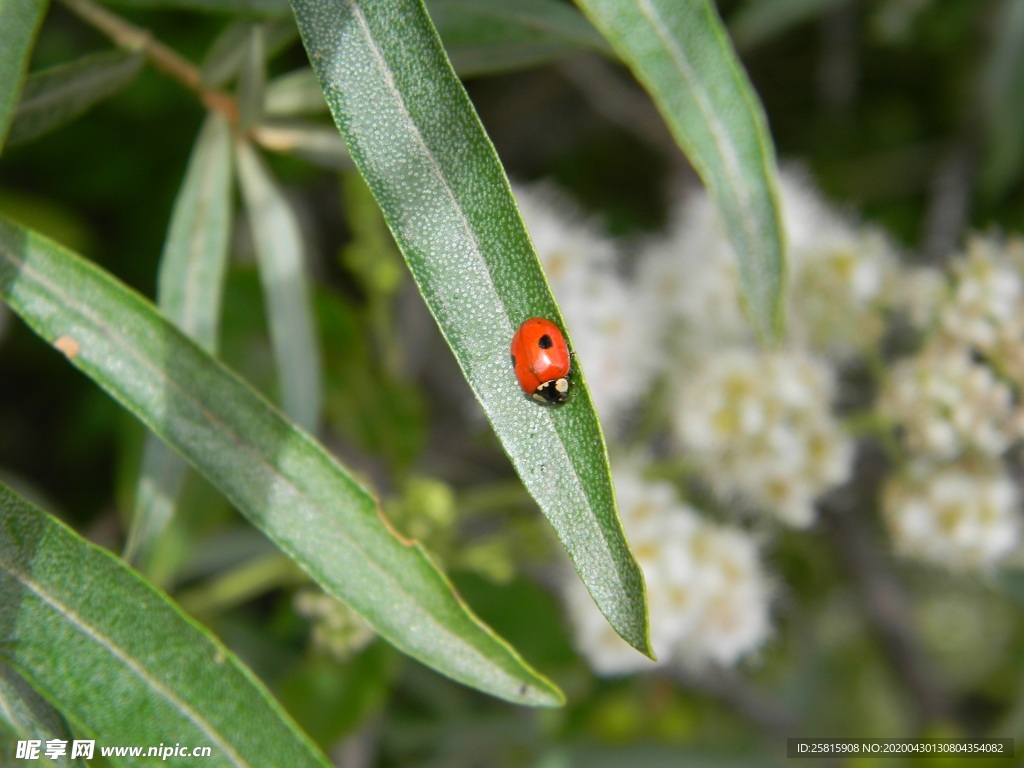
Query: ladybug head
x: 552, y: 392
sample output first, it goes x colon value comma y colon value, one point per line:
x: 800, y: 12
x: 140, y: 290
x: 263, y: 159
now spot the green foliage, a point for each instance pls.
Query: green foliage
x: 682, y: 55
x: 284, y: 482
x: 189, y: 292
x: 30, y: 716
x: 58, y: 95
x: 281, y: 254
x: 438, y: 181
x: 19, y: 22
x: 312, y: 294
x: 120, y: 659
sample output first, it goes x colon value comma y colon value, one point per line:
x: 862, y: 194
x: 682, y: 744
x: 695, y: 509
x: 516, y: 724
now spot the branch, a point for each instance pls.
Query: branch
x: 883, y: 597
x: 132, y: 38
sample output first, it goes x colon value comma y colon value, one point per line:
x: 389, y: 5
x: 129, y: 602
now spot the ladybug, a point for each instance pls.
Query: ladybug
x: 541, y: 358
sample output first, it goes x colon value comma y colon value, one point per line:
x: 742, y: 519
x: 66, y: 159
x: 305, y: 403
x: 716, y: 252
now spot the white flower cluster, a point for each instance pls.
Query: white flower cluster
x: 707, y: 592
x: 947, y: 403
x: 335, y: 628
x: 759, y: 427
x: 956, y: 403
x: 960, y: 515
x: 598, y: 301
x: 839, y: 276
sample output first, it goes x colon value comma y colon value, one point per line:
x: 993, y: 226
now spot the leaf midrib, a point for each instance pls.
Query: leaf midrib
x: 476, y: 251
x: 114, y: 650
x: 70, y: 87
x: 196, y: 251
x: 383, y: 572
x: 707, y: 111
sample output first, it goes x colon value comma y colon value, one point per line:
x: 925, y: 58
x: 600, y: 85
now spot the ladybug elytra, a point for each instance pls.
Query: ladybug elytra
x: 541, y: 361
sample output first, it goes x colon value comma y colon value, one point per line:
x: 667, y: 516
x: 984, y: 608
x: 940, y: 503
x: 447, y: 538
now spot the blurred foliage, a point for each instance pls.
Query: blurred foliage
x: 898, y: 108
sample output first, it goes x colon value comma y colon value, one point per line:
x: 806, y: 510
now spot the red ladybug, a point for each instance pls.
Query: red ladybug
x: 540, y: 358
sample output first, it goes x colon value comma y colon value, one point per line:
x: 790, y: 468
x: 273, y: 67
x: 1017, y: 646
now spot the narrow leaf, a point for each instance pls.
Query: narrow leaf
x: 189, y: 293
x: 123, y: 662
x: 1002, y: 107
x: 680, y: 52
x: 58, y: 95
x: 281, y: 479
x: 295, y: 93
x: 190, y: 285
x: 31, y: 716
x: 416, y: 140
x: 282, y: 261
x: 226, y: 55
x: 486, y: 36
x: 252, y: 80
x: 315, y: 142
x: 19, y: 23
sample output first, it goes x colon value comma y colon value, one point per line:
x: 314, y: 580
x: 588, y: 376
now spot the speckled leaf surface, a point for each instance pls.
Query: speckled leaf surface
x: 680, y: 52
x: 30, y: 716
x: 417, y: 141
x: 273, y: 472
x: 121, y: 661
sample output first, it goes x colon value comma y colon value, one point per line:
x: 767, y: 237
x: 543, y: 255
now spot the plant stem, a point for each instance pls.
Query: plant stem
x: 170, y: 62
x: 243, y: 583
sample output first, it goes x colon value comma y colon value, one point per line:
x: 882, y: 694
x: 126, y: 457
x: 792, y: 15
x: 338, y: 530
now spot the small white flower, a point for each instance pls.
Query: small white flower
x: 987, y: 294
x: 602, y: 310
x: 964, y: 515
x: 706, y: 591
x: 947, y: 403
x: 335, y: 628
x: 837, y: 271
x: 985, y: 309
x: 689, y: 277
x: 734, y: 596
x: 759, y: 427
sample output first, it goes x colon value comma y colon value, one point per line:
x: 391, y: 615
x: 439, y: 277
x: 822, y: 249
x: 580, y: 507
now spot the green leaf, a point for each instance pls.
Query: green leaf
x: 189, y: 293
x: 252, y: 81
x: 19, y: 23
x: 120, y: 660
x: 58, y: 95
x: 758, y: 21
x: 282, y: 261
x: 281, y: 479
x: 1002, y: 106
x: 486, y: 36
x: 190, y: 285
x: 226, y: 55
x: 315, y: 142
x: 416, y: 140
x: 295, y: 93
x: 681, y: 54
x: 31, y: 716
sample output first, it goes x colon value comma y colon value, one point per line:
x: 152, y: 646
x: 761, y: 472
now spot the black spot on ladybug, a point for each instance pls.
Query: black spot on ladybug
x: 513, y: 360
x: 545, y: 342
